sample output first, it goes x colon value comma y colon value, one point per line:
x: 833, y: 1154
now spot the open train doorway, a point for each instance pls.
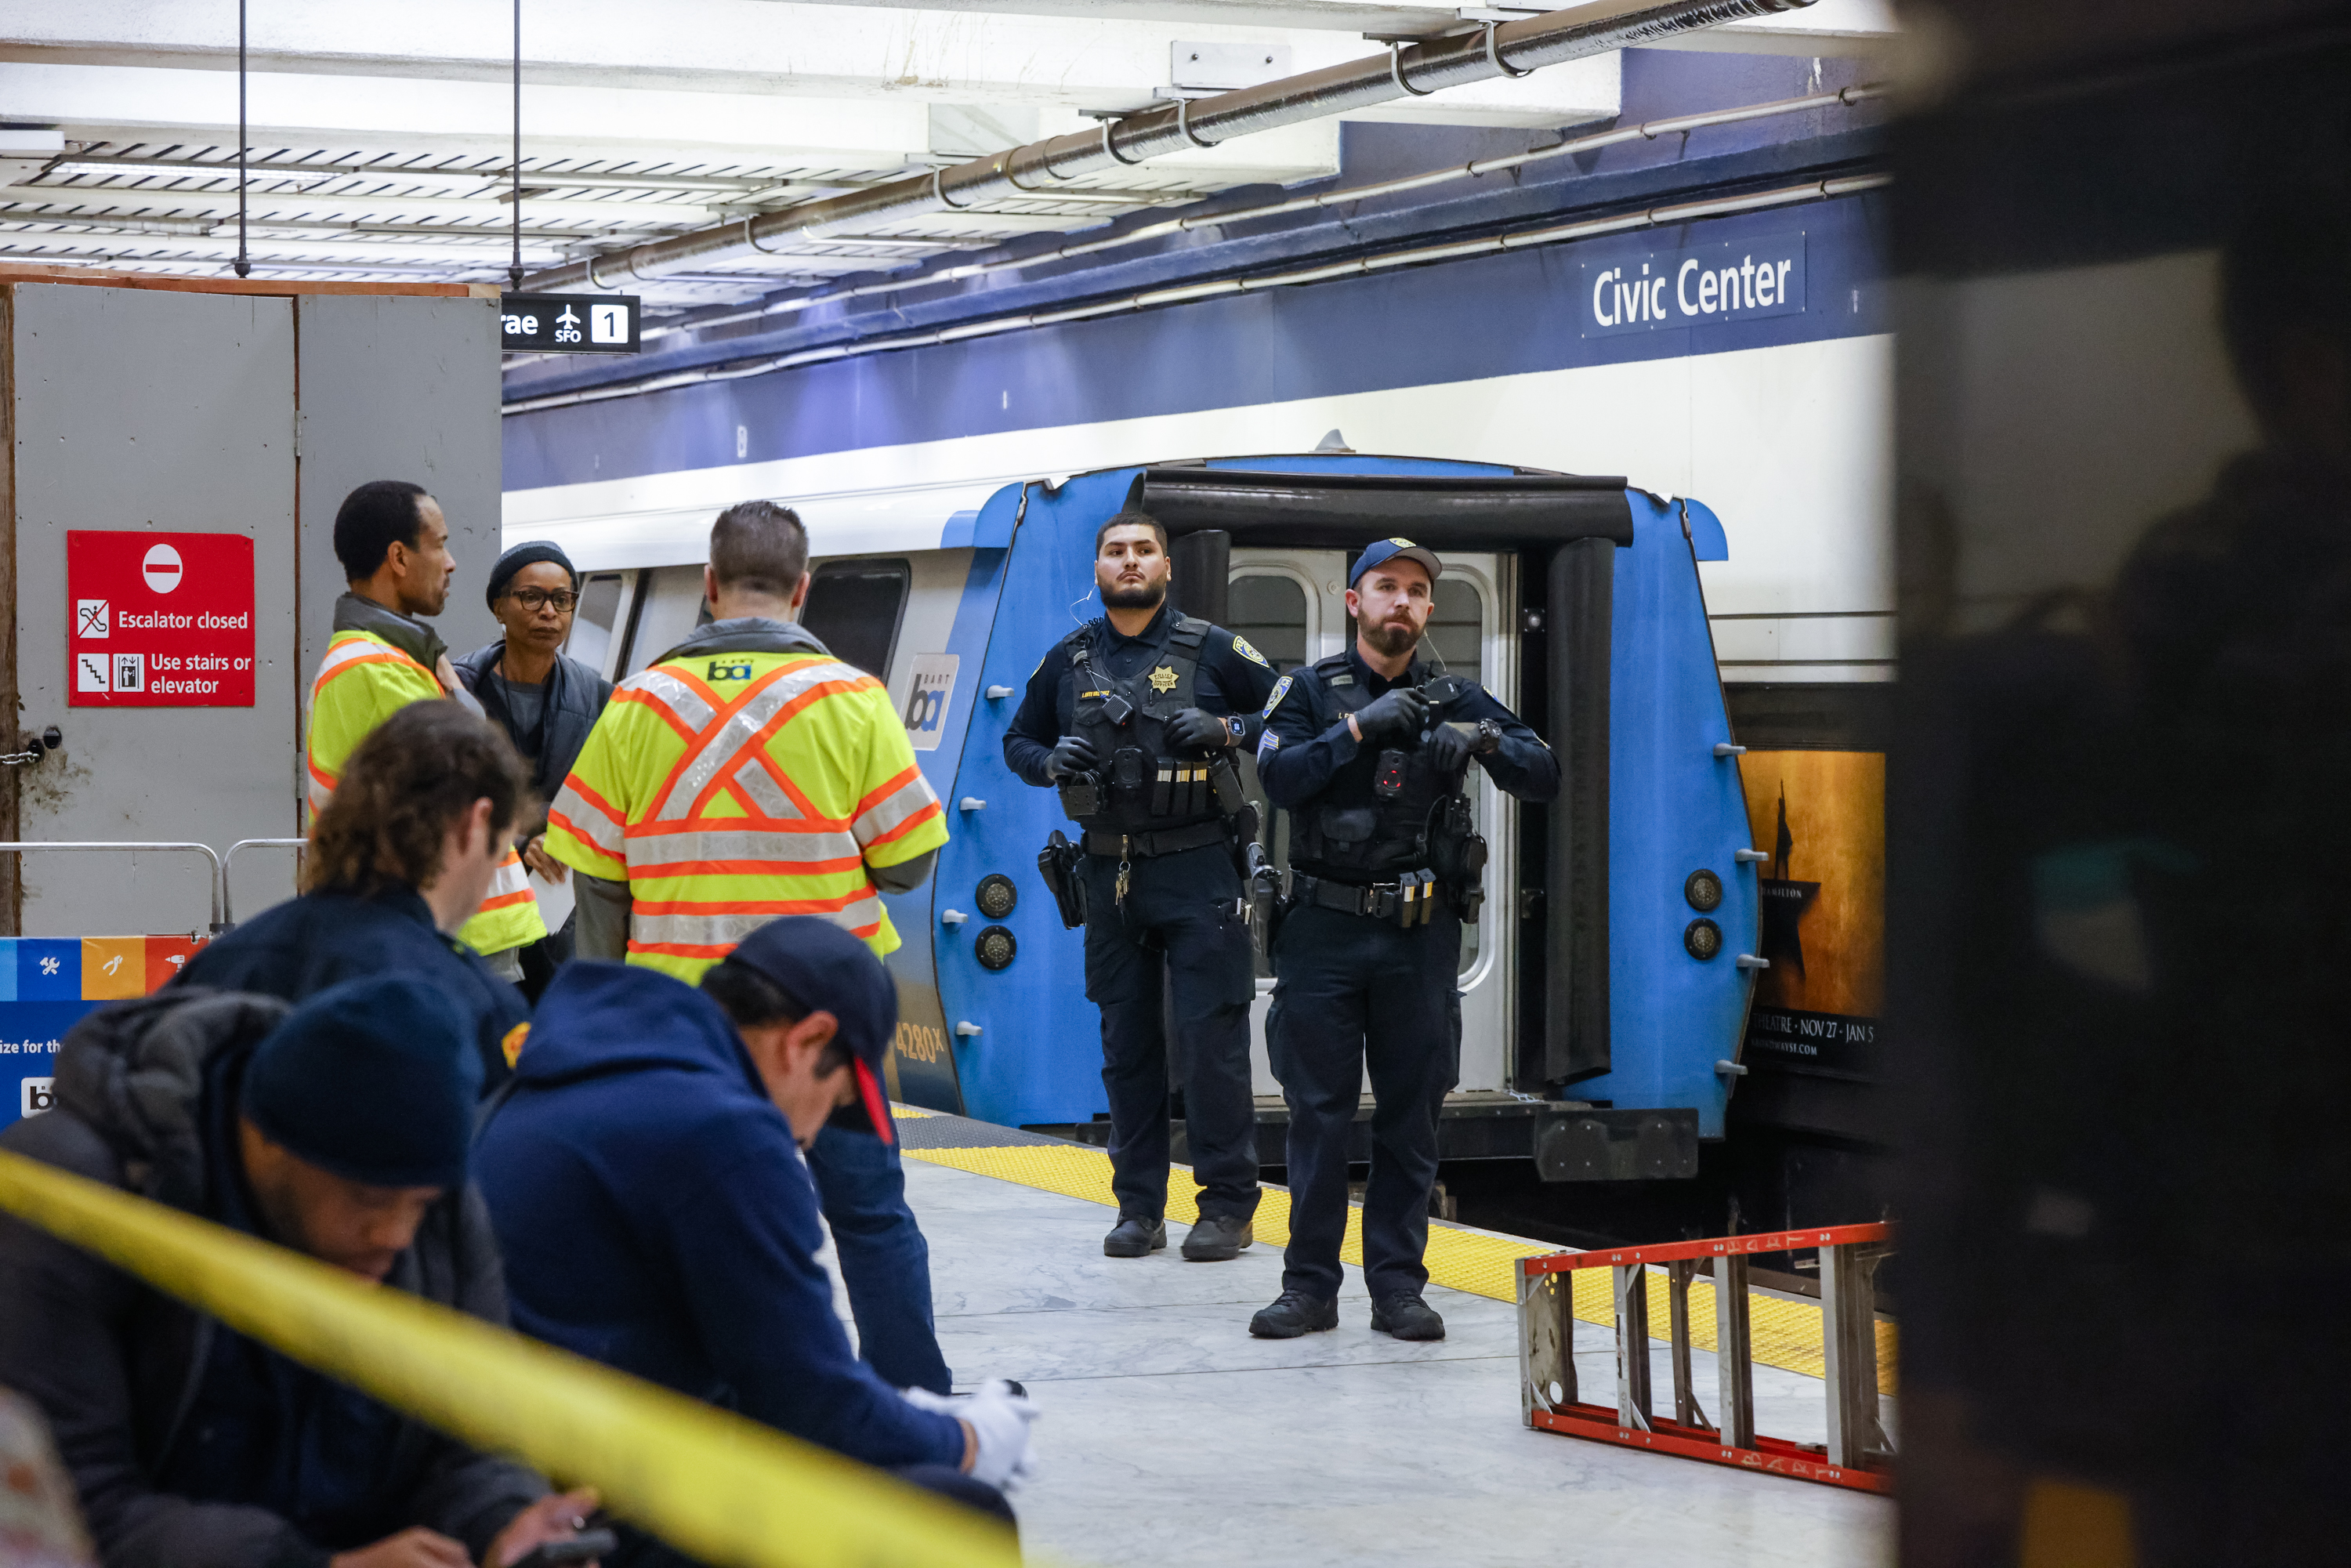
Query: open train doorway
x: 1291, y: 606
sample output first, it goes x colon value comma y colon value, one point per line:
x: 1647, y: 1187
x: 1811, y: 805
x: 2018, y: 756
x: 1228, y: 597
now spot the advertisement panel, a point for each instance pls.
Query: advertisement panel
x: 1821, y: 818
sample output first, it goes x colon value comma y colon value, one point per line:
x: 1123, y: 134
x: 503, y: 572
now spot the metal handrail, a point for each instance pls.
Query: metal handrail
x: 204, y: 849
x: 228, y: 911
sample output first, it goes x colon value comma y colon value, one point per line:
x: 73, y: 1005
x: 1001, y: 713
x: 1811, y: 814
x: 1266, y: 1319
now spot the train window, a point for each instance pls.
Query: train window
x: 1270, y: 611
x: 854, y: 608
x: 1454, y: 633
x: 590, y: 642
x: 668, y: 608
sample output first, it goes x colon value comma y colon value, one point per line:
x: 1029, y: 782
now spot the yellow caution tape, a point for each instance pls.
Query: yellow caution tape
x: 711, y: 1483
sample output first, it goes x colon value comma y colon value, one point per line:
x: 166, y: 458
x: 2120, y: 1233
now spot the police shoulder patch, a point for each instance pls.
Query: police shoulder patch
x: 1281, y: 689
x: 511, y: 1046
x: 1241, y: 646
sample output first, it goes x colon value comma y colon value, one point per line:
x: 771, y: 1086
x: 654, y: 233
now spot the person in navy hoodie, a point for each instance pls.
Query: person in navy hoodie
x: 644, y: 1178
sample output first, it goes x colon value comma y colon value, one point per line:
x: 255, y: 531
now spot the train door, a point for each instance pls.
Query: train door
x: 1292, y: 605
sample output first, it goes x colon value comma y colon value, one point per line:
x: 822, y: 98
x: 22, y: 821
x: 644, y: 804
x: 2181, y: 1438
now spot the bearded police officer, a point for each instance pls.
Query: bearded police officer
x: 1368, y: 751
x: 1131, y: 717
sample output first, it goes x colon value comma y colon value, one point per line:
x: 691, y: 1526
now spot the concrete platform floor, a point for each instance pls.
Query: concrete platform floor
x: 1171, y: 1438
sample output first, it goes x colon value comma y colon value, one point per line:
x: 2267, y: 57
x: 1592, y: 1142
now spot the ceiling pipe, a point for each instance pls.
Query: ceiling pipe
x: 1406, y: 71
x: 1219, y: 217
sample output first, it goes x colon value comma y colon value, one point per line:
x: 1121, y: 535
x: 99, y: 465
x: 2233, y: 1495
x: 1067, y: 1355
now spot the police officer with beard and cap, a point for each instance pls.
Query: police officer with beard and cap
x: 1368, y: 751
x: 1134, y: 717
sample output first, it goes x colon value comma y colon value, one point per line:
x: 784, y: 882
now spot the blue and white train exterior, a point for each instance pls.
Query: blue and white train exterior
x: 952, y: 464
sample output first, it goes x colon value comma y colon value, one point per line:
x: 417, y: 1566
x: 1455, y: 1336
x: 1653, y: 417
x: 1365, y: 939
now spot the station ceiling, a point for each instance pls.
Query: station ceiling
x: 380, y: 135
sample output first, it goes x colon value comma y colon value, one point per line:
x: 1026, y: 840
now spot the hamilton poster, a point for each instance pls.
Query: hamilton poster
x: 1820, y: 819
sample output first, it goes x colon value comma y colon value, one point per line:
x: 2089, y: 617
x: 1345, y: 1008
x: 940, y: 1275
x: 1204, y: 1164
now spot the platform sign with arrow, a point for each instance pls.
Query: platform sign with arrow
x: 570, y: 323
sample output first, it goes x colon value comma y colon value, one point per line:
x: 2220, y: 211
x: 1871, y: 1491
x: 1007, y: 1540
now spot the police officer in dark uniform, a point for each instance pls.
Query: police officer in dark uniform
x: 1131, y: 716
x: 1368, y: 750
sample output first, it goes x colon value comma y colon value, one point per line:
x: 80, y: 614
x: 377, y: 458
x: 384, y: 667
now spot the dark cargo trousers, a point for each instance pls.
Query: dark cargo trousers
x: 1350, y: 993
x: 1178, y: 938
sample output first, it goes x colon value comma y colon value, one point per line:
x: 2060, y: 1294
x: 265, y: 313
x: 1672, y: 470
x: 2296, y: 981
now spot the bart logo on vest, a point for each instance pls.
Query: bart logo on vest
x: 725, y: 672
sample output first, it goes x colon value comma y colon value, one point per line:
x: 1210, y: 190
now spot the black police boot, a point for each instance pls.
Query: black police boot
x: 1216, y: 1238
x: 1407, y: 1316
x: 1135, y: 1237
x: 1294, y: 1314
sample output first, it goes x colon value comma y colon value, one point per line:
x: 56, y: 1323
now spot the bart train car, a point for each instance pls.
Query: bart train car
x: 1606, y: 983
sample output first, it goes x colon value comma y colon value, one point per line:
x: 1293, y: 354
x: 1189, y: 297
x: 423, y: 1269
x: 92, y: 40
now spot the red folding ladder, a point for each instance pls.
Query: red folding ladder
x: 1858, y: 1454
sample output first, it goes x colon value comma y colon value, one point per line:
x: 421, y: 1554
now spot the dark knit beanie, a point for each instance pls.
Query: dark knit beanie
x: 524, y: 555
x: 374, y: 1079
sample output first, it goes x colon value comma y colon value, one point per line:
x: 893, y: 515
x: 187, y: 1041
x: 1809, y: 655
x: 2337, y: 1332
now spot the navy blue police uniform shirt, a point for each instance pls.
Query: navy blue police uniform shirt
x: 1233, y: 679
x: 1307, y: 753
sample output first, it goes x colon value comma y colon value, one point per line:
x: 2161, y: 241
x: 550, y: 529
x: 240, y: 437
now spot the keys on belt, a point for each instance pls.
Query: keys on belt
x: 1409, y: 900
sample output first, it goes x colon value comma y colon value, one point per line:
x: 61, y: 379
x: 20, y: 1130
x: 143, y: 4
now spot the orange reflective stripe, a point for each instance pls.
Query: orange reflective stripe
x: 505, y: 901
x: 882, y: 791
x: 328, y: 672
x: 644, y: 871
x: 749, y: 905
x: 646, y: 699
x: 734, y: 824
x: 683, y: 949
x: 927, y: 814
x: 579, y: 788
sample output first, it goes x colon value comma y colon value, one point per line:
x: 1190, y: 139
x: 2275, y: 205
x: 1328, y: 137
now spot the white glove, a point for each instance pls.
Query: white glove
x: 999, y: 1421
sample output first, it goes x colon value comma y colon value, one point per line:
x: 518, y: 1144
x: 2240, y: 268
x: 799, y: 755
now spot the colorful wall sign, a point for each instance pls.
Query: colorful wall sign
x: 48, y: 984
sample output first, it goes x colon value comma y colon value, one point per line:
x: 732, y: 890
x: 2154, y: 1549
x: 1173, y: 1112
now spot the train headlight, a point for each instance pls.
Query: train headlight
x: 996, y: 895
x: 994, y: 948
x: 1704, y: 891
x: 1701, y: 939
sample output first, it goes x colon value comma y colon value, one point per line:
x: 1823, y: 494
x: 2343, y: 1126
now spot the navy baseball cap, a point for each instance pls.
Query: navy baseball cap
x: 1387, y: 550
x: 824, y: 968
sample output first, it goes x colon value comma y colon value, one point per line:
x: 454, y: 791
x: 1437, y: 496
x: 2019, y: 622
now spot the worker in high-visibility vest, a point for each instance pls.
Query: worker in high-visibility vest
x: 748, y: 774
x: 393, y: 544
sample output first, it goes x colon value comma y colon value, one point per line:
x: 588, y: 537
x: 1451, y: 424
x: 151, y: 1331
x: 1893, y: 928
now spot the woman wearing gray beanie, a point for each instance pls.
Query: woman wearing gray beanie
x: 546, y: 702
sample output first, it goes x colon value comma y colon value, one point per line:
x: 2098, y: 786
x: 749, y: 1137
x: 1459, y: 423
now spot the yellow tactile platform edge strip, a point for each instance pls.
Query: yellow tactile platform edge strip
x: 1783, y: 1333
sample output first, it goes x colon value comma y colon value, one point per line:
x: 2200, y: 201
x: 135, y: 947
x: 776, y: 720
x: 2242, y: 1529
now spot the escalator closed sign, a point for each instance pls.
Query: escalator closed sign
x: 158, y: 619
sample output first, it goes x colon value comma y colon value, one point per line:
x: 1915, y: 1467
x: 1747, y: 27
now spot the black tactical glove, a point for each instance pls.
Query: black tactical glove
x: 1070, y: 755
x: 1401, y: 712
x: 1446, y: 747
x: 1199, y: 729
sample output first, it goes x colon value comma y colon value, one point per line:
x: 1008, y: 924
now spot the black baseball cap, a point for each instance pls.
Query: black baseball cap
x: 1385, y: 550
x: 824, y: 968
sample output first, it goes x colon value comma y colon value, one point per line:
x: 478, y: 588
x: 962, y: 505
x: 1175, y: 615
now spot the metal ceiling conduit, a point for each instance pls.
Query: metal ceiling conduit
x: 1677, y: 212
x: 1648, y: 130
x: 1494, y: 49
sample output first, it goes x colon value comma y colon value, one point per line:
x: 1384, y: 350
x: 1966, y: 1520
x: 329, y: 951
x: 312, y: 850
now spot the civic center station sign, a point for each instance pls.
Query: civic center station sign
x: 1698, y: 285
x: 159, y: 620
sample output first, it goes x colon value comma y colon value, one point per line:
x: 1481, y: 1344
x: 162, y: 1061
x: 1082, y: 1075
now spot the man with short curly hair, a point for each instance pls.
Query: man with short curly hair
x: 399, y: 859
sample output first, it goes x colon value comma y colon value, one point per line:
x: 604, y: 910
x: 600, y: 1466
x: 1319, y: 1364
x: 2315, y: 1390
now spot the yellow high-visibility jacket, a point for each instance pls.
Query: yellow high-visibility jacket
x: 731, y: 788
x: 362, y: 680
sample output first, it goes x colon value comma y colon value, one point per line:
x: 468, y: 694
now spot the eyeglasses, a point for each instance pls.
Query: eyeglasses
x: 538, y: 599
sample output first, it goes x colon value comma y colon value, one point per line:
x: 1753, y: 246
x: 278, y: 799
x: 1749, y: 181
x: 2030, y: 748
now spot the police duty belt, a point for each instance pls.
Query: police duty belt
x: 1408, y: 900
